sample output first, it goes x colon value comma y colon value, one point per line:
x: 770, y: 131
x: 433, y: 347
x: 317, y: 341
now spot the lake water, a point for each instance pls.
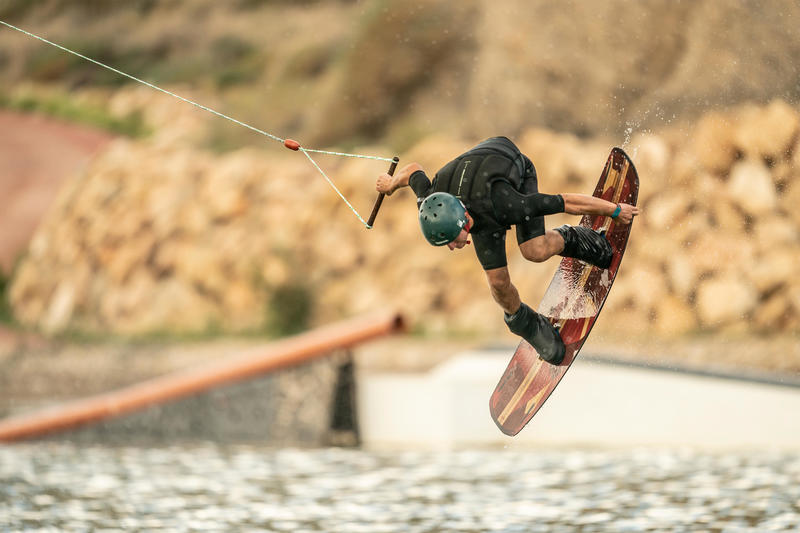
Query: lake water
x: 210, y: 487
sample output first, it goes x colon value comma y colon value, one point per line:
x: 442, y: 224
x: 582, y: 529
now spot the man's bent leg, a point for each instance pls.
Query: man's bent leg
x: 543, y: 247
x: 503, y: 291
x: 524, y: 321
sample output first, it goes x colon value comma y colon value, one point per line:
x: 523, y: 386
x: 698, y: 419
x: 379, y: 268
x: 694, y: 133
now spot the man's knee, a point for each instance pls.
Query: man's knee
x: 536, y: 250
x: 542, y: 248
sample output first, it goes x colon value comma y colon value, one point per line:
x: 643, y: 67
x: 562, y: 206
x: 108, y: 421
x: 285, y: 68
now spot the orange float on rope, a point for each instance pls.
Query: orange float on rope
x: 291, y: 144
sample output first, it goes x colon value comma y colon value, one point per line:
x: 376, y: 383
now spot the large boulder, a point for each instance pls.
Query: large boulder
x: 714, y: 142
x: 725, y: 300
x: 790, y: 199
x: 674, y: 316
x: 774, y: 270
x: 667, y: 210
x: 751, y: 188
x: 767, y: 132
x: 681, y: 274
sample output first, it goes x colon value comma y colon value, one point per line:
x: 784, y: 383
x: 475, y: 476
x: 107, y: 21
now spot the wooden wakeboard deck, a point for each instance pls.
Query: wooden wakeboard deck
x: 572, y: 302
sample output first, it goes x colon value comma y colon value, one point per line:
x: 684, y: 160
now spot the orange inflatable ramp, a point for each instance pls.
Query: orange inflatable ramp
x: 281, y: 354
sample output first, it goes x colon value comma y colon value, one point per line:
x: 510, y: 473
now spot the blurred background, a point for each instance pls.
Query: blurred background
x: 140, y: 236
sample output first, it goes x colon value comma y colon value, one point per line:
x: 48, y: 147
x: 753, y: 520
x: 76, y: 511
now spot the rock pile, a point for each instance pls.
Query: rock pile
x: 161, y: 236
x: 720, y: 235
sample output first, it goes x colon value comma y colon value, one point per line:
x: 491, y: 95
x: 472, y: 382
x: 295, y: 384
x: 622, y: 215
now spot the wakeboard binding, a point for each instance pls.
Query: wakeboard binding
x: 586, y: 244
x: 539, y: 333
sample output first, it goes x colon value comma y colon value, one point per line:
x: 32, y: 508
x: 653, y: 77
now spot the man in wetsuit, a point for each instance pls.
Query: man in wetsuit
x: 485, y: 191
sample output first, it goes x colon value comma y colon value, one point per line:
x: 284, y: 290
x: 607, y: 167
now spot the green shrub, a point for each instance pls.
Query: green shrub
x: 10, y: 9
x: 310, y: 62
x: 254, y: 4
x: 6, y: 315
x: 66, y: 108
x: 234, y: 61
x: 384, y: 69
x: 48, y: 64
x: 289, y: 310
x: 16, y: 8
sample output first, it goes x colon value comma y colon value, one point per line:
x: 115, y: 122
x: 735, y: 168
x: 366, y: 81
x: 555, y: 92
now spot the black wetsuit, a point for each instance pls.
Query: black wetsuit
x: 498, y: 186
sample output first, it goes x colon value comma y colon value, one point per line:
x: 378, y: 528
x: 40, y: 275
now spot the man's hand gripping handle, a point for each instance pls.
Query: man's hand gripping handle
x: 379, y: 200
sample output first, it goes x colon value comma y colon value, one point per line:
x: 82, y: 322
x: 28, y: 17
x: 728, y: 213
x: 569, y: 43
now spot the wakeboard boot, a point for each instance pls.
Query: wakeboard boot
x: 586, y: 244
x: 539, y: 333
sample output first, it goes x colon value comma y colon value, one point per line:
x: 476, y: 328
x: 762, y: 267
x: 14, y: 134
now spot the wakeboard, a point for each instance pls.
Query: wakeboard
x: 572, y: 303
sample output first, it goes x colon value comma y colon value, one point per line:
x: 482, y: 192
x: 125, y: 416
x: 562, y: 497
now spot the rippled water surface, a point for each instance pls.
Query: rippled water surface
x: 65, y: 487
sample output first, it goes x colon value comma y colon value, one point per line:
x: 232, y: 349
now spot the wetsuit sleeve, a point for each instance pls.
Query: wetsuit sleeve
x: 511, y: 206
x: 419, y: 182
x: 421, y: 185
x: 549, y: 204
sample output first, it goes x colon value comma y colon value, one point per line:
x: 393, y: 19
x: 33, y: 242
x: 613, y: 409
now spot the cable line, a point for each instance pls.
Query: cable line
x: 289, y: 143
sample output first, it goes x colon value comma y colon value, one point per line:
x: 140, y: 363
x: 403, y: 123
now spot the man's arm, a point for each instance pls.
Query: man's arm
x: 583, y: 204
x: 387, y: 184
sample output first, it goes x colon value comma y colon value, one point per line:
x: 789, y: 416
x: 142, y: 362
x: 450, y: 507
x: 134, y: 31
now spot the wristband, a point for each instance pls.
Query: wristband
x: 616, y: 212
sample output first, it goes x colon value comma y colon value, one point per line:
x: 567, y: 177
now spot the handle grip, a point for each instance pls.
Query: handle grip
x: 379, y: 200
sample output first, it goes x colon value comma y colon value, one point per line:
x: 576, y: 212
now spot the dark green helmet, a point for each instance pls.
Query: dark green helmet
x: 442, y: 216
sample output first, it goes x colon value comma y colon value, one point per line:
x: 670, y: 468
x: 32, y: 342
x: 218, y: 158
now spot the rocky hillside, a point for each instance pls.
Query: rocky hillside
x: 187, y: 231
x: 158, y: 235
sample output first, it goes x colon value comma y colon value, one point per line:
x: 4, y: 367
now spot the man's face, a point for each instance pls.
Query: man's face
x: 460, y: 241
x: 463, y: 238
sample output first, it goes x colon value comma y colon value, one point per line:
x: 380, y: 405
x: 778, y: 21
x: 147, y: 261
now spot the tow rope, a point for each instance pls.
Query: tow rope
x: 288, y: 143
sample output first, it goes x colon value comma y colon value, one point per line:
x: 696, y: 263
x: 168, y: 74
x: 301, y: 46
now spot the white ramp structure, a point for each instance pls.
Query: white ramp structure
x: 599, y: 403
